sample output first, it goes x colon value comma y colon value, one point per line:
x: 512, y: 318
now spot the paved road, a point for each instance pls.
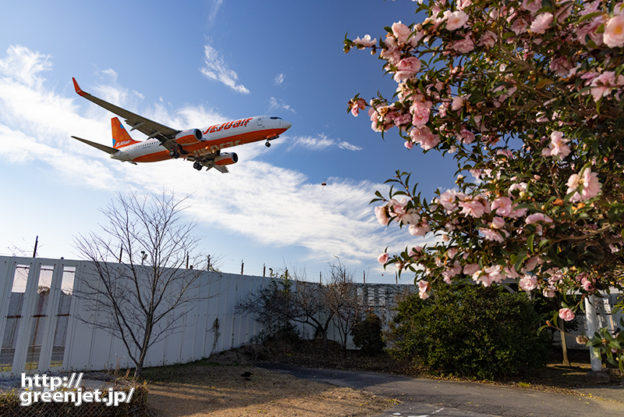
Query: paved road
x: 422, y: 397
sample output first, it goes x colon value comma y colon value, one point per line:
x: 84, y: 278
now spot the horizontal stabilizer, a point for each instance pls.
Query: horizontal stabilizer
x: 99, y: 146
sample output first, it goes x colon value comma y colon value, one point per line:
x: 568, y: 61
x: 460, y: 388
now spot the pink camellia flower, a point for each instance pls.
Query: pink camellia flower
x: 383, y: 258
x: 467, y: 137
x: 497, y: 223
x: 472, y: 208
x: 519, y: 26
x: 457, y: 103
x: 366, y: 41
x: 381, y: 212
x: 566, y: 314
x: 538, y: 217
x: 586, y: 284
x: 357, y: 105
x: 470, y: 269
x: 541, y: 23
x: 407, y: 68
x: 419, y: 230
x: 502, y: 205
x: 391, y: 52
x: 420, y: 110
x: 549, y: 292
x: 449, y: 274
x: 489, y: 275
x: 401, y: 31
x: 488, y: 39
x: 424, y: 137
x: 602, y: 85
x: 532, y: 263
x: 558, y: 146
x: 532, y: 5
x: 463, y: 46
x: 455, y: 20
x: 447, y: 200
x: 528, y: 283
x: 411, y: 216
x: 401, y: 119
x: 511, y: 272
x: 490, y: 234
x: 423, y: 289
x: 408, y: 144
x: 614, y: 32
x: 588, y: 181
x: 462, y: 4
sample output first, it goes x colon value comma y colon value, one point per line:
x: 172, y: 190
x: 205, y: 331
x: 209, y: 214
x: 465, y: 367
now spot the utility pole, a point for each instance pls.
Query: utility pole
x: 242, y: 266
x: 263, y: 270
x: 120, y: 253
x: 36, y: 244
x: 364, y: 277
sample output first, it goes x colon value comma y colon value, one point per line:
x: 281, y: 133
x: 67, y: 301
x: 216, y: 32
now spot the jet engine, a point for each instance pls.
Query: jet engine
x: 226, y: 158
x: 187, y: 137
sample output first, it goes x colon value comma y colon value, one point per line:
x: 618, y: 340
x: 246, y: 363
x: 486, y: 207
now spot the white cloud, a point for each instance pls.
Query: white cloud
x: 279, y: 79
x: 321, y: 142
x: 259, y: 201
x: 214, y: 6
x: 215, y: 69
x: 278, y: 104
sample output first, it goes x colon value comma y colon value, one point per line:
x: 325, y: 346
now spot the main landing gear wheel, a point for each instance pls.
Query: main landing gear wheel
x: 174, y: 153
x: 267, y: 144
x: 197, y: 166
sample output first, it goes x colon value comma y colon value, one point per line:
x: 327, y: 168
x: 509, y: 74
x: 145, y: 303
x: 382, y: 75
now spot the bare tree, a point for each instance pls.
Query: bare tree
x: 142, y: 286
x: 341, y: 299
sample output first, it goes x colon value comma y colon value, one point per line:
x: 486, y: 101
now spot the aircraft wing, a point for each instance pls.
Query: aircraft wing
x: 164, y: 134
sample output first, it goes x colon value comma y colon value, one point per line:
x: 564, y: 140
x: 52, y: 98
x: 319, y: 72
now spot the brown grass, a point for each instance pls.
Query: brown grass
x: 208, y: 389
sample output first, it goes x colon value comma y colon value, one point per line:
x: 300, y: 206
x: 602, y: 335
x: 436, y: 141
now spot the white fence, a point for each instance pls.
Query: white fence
x: 41, y: 332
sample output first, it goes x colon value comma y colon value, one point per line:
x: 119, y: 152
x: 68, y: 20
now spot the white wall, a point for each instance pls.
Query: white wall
x: 24, y: 280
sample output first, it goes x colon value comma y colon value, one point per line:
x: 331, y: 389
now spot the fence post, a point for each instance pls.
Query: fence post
x: 591, y: 320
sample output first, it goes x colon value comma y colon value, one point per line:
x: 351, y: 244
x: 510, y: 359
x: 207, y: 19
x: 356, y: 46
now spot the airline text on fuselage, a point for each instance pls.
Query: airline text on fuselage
x: 228, y: 125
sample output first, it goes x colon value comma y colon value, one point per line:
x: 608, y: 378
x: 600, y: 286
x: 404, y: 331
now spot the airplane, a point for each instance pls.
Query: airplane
x: 200, y: 146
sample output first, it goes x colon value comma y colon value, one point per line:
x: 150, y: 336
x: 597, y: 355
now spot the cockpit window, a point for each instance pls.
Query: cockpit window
x: 275, y: 117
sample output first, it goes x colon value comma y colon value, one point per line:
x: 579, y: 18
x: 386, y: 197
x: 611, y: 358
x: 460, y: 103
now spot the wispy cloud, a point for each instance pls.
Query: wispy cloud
x: 279, y: 104
x: 271, y: 205
x: 214, y: 6
x: 216, y: 69
x: 321, y: 142
x: 279, y: 79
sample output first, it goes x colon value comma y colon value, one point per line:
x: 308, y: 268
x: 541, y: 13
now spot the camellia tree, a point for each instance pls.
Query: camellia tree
x: 527, y: 97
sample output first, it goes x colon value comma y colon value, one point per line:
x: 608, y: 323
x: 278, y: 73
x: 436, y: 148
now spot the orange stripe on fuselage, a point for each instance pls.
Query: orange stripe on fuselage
x: 215, y: 145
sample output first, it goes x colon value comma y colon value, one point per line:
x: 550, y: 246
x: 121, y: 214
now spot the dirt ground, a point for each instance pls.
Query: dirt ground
x: 216, y: 390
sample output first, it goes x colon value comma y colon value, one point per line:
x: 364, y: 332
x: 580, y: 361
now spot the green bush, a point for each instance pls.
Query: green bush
x: 367, y: 335
x: 469, y: 331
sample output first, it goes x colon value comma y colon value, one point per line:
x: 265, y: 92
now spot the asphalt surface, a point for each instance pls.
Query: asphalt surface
x: 422, y: 397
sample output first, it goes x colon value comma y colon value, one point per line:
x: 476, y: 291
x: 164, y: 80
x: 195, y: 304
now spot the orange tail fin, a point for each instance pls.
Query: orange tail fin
x: 121, y: 137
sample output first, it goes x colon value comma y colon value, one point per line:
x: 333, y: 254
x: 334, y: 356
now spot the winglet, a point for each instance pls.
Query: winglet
x: 77, y: 87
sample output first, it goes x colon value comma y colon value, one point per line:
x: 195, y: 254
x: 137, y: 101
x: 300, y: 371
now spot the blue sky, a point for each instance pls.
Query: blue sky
x: 188, y: 65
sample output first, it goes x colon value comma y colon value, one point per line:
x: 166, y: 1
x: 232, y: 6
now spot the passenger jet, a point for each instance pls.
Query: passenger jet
x: 201, y: 146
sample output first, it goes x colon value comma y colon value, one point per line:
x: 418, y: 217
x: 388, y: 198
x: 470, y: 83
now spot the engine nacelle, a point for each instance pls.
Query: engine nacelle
x: 188, y: 137
x: 226, y: 158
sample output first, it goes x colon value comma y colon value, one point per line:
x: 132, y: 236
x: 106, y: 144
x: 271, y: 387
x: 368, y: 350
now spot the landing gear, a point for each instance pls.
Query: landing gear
x: 197, y: 166
x: 174, y: 153
x: 267, y: 144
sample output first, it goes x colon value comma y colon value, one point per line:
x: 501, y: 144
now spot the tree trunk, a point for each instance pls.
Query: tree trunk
x: 564, y: 346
